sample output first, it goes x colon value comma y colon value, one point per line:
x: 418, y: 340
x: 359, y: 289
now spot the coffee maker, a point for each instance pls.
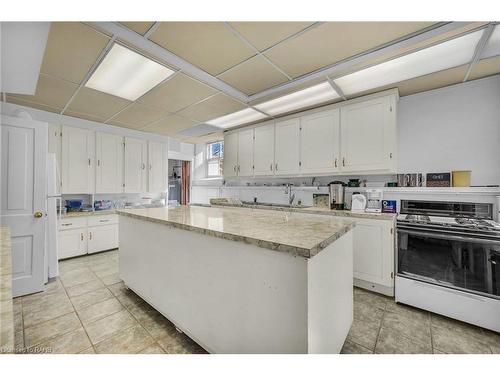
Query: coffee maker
x: 336, y: 190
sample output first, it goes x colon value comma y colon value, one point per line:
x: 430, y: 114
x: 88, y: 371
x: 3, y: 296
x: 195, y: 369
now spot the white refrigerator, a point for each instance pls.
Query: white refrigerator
x: 53, y: 217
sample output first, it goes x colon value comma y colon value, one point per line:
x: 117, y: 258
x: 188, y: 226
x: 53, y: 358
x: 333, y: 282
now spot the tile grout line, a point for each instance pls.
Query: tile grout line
x: 380, y: 327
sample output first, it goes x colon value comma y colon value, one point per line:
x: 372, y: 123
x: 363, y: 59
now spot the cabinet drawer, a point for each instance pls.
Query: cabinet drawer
x: 103, y: 220
x: 72, y: 223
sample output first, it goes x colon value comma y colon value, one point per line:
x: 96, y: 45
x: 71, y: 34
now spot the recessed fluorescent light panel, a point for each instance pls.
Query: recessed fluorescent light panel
x: 442, y: 56
x: 127, y: 74
x: 300, y: 99
x: 237, y: 118
x: 492, y: 48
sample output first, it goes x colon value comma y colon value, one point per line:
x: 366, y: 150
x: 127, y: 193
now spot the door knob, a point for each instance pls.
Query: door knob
x: 38, y: 214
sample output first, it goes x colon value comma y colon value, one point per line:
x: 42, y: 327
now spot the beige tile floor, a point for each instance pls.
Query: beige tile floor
x: 88, y: 310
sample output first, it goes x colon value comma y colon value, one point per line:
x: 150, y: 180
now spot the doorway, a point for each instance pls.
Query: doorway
x: 178, y: 181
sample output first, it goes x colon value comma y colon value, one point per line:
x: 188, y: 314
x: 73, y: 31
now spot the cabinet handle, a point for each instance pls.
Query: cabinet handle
x: 90, y: 235
x: 89, y: 161
x: 143, y: 166
x: 234, y: 169
x: 238, y: 168
x: 276, y: 167
x: 390, y: 155
x: 150, y: 166
x: 271, y: 167
x: 335, y: 162
x: 66, y: 224
x: 104, y: 220
x: 343, y: 162
x: 81, y: 236
x: 98, y: 163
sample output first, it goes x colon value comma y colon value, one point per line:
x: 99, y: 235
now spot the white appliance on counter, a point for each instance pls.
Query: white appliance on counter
x: 53, y: 218
x: 358, y: 203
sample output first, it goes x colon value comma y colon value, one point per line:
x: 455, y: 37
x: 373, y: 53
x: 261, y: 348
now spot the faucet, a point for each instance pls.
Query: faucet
x: 291, y: 197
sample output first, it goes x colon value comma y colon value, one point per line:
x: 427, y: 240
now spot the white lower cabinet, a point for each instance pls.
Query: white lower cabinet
x: 82, y: 235
x: 374, y: 255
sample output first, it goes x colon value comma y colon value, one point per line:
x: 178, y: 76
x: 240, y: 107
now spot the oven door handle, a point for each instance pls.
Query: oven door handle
x: 450, y: 236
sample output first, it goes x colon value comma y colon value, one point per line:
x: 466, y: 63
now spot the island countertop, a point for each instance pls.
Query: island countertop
x: 295, y: 233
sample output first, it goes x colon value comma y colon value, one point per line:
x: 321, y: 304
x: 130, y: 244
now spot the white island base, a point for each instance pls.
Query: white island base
x: 233, y: 297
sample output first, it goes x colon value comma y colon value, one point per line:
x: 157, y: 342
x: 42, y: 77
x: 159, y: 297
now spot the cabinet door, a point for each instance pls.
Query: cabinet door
x: 263, y: 158
x: 55, y: 147
x: 77, y: 160
x: 245, y: 152
x: 135, y: 165
x: 373, y: 251
x: 109, y: 163
x: 287, y: 147
x: 319, y: 142
x: 158, y: 167
x: 231, y: 154
x: 103, y: 237
x: 368, y: 135
x: 72, y: 243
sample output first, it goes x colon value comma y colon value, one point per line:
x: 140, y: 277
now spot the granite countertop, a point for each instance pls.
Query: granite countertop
x: 292, y: 232
x: 224, y: 202
x: 6, y: 304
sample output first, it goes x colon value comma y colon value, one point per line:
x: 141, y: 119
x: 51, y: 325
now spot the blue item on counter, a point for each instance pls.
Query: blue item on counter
x: 389, y: 206
x: 74, y: 203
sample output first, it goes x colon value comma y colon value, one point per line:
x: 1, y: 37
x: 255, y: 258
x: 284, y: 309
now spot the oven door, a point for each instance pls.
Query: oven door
x: 449, y: 259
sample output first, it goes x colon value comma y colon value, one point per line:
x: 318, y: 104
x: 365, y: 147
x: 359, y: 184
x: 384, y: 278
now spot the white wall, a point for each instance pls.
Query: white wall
x: 453, y: 128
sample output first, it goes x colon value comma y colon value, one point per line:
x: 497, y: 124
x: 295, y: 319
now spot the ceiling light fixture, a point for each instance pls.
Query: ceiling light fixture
x: 237, y: 118
x: 492, y: 48
x: 449, y: 54
x: 127, y: 74
x: 301, y: 99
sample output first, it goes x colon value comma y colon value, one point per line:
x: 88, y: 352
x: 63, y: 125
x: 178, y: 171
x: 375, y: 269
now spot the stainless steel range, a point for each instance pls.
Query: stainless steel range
x: 448, y: 260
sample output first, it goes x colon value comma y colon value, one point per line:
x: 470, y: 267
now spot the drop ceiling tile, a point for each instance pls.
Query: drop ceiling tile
x: 263, y: 35
x: 72, y: 49
x: 96, y: 104
x: 137, y: 116
x: 170, y: 125
x: 254, y: 75
x: 486, y: 67
x: 410, y: 48
x: 209, y: 45
x: 216, y: 106
x: 138, y: 27
x: 177, y: 93
x: 335, y: 41
x: 19, y: 101
x: 50, y: 91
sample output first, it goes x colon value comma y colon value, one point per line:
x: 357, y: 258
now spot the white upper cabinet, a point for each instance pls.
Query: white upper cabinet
x: 263, y: 157
x: 368, y: 135
x: 135, y: 159
x: 287, y: 147
x: 109, y: 163
x: 231, y: 154
x: 157, y: 167
x: 320, y: 142
x: 77, y: 160
x: 245, y: 152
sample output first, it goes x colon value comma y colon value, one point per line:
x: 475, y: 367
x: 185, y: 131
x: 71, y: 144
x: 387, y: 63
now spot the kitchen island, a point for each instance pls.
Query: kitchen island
x: 238, y: 280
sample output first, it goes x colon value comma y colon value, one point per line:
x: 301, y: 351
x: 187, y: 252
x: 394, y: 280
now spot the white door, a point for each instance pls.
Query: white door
x: 245, y: 152
x: 103, y: 237
x: 320, y: 141
x: 109, y: 163
x: 77, y: 160
x: 373, y: 251
x: 23, y: 199
x: 263, y: 158
x: 158, y: 165
x: 287, y: 147
x: 231, y: 154
x: 55, y: 145
x: 135, y: 165
x: 368, y: 133
x: 72, y: 242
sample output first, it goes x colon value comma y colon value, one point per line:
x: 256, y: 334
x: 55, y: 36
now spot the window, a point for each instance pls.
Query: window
x: 215, y: 159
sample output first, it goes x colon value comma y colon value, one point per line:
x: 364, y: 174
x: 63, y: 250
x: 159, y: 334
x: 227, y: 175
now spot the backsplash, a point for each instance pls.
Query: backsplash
x: 119, y: 200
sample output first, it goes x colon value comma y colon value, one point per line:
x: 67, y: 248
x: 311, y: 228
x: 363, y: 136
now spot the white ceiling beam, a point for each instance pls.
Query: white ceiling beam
x: 406, y: 41
x: 336, y: 88
x: 151, y: 30
x: 479, y: 49
x: 129, y: 36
